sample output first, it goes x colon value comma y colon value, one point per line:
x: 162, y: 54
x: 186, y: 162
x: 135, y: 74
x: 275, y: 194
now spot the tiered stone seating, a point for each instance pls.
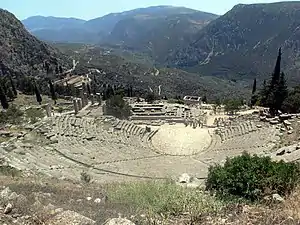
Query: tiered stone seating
x: 237, y: 130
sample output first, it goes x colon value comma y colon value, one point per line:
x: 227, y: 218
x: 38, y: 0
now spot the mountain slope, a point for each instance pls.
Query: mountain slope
x: 20, y: 52
x: 99, y: 29
x: 158, y: 36
x: 115, y: 70
x: 244, y: 42
x: 107, y: 23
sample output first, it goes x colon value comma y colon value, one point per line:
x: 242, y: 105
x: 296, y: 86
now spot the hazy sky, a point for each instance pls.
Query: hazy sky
x: 88, y: 9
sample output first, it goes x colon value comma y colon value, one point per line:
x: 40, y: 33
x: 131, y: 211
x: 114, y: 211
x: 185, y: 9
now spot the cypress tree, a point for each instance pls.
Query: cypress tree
x: 131, y: 91
x: 3, y: 98
x: 60, y: 69
x: 13, y: 86
x: 37, y: 94
x: 57, y: 69
x: 254, y: 87
x: 52, y: 91
x: 276, y: 74
x: 281, y: 92
x: 264, y: 94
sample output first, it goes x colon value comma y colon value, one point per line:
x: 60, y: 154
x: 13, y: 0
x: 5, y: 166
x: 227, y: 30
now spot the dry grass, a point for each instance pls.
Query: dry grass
x: 163, y: 199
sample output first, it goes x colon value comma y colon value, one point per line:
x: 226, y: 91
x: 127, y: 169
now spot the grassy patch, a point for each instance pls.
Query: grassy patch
x: 34, y: 114
x: 163, y: 198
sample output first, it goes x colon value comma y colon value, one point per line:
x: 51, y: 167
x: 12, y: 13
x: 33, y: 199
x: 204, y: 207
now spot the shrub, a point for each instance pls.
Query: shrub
x: 12, y: 115
x: 34, y: 114
x: 85, y: 177
x: 117, y: 107
x: 252, y: 177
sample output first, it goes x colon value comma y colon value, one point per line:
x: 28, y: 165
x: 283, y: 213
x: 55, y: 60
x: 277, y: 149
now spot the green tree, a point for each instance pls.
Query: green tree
x: 3, y: 99
x: 275, y: 93
x: 254, y: 87
x: 52, y: 92
x: 263, y: 94
x: 232, y: 106
x: 150, y: 97
x: 117, y: 107
x: 254, y: 96
x: 13, y: 86
x: 10, y: 94
x: 37, y: 94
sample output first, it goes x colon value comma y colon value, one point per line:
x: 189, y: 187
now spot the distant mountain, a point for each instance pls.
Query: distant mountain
x: 243, y: 43
x: 158, y: 36
x: 54, y: 23
x: 20, y: 52
x: 102, y: 29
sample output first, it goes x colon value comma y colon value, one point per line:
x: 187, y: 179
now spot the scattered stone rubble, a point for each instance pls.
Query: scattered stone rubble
x: 48, y: 215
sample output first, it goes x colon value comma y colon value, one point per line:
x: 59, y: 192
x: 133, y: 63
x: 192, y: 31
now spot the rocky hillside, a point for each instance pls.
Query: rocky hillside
x: 113, y: 69
x: 20, y: 52
x: 243, y: 43
x: 128, y: 22
x: 158, y: 35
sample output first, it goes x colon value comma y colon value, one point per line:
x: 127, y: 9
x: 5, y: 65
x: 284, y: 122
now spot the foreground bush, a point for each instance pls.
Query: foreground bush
x: 252, y: 177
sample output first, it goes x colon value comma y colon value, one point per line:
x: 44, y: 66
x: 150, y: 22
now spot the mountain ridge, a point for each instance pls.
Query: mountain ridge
x: 243, y: 43
x: 99, y: 29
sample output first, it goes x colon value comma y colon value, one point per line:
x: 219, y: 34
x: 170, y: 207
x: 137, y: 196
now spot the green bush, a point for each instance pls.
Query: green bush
x: 252, y: 177
x: 117, y: 107
x: 12, y: 115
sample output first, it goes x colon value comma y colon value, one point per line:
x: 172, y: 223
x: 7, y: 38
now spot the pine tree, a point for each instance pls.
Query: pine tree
x: 37, y: 94
x: 3, y: 99
x: 52, y: 91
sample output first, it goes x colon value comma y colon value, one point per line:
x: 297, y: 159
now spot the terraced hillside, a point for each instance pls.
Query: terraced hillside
x: 113, y: 150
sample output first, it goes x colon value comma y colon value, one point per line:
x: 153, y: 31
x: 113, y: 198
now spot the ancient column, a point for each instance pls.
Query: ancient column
x: 48, y: 110
x: 92, y: 99
x: 75, y: 104
x: 85, y: 99
x: 82, y: 97
x: 79, y: 103
x: 104, y: 109
x: 99, y: 98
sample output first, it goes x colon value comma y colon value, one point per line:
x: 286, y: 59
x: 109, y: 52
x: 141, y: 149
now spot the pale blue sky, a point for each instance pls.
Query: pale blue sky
x: 88, y: 9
